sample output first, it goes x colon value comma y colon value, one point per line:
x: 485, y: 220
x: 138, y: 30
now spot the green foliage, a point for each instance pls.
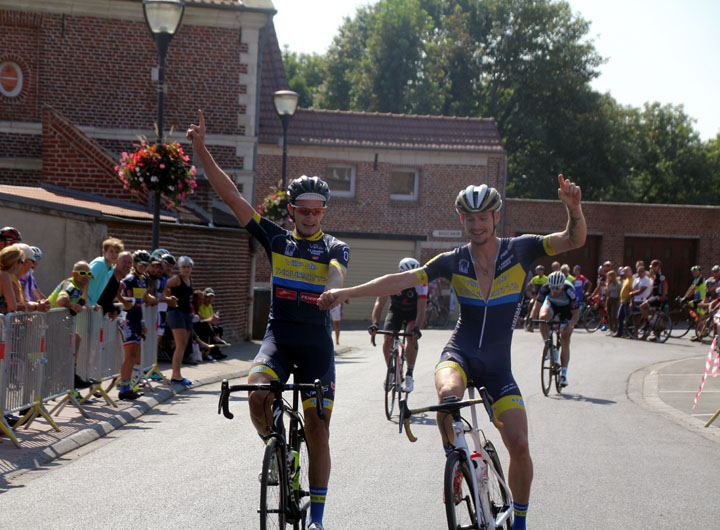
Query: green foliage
x: 528, y: 64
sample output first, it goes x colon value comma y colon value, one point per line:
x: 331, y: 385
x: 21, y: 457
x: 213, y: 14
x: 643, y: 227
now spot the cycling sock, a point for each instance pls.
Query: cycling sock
x: 123, y: 385
x: 520, y: 511
x: 409, y: 370
x: 563, y: 371
x: 317, y: 504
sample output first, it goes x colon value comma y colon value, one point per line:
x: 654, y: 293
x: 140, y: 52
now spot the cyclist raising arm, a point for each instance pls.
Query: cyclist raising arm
x: 304, y: 263
x: 488, y: 276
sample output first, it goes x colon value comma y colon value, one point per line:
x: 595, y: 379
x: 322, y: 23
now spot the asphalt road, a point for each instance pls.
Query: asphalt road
x: 603, y: 458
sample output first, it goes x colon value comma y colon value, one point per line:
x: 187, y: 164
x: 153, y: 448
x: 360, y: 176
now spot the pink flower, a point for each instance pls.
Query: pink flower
x: 162, y: 166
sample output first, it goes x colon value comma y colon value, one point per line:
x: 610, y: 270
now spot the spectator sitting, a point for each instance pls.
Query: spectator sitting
x: 213, y: 317
x: 203, y: 330
x: 23, y: 303
x: 10, y: 260
x: 72, y: 294
x: 9, y: 236
x: 31, y: 291
x: 102, y: 268
x: 111, y: 298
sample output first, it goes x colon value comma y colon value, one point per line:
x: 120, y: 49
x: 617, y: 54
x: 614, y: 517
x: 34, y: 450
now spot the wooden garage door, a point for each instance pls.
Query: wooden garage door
x: 370, y: 258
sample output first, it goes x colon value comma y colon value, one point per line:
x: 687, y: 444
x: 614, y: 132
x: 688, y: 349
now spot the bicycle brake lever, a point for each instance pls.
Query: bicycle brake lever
x: 223, y: 404
x: 320, y: 399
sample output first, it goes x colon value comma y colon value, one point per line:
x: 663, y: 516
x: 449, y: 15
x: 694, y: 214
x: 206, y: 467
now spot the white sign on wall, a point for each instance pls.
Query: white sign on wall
x: 447, y: 233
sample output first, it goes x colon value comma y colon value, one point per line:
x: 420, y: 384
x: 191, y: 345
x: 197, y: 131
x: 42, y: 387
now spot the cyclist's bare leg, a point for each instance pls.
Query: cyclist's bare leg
x: 317, y: 434
x: 545, y: 314
x: 260, y: 402
x: 448, y: 382
x: 520, y: 469
x: 411, y: 351
x: 387, y: 348
x: 565, y: 345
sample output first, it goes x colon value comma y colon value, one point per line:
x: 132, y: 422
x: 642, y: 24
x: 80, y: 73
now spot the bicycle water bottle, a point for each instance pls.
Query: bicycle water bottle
x: 294, y: 458
x: 480, y: 469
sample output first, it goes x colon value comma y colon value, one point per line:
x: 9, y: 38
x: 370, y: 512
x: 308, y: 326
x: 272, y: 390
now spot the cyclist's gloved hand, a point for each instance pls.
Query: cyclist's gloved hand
x: 416, y: 333
x: 373, y: 329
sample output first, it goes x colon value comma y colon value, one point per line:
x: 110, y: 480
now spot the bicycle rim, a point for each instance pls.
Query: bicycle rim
x: 458, y: 490
x: 682, y: 323
x: 546, y: 369
x: 665, y: 328
x: 499, y: 502
x: 272, y: 489
x: 390, y: 388
x: 300, y: 481
x: 592, y: 319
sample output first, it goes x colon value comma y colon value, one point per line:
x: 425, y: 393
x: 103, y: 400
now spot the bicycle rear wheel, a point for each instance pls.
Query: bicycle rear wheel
x: 592, y: 319
x: 273, y: 506
x: 682, y: 323
x: 499, y: 502
x: 546, y: 371
x: 458, y: 493
x: 300, y: 482
x: 391, y: 387
x: 663, y: 327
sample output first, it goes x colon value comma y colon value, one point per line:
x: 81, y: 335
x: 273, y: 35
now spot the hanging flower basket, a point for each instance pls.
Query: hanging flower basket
x: 158, y: 167
x: 274, y: 206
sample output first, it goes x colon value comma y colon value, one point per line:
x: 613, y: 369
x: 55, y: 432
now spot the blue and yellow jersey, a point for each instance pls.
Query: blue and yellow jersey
x: 134, y: 286
x: 300, y: 268
x: 485, y: 326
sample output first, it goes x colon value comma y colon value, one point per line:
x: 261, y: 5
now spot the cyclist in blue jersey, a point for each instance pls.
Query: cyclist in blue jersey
x: 489, y: 277
x: 304, y: 263
x: 557, y: 300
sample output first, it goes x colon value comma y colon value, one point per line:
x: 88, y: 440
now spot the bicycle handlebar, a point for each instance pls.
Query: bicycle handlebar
x: 276, y: 387
x: 393, y: 333
x: 406, y: 412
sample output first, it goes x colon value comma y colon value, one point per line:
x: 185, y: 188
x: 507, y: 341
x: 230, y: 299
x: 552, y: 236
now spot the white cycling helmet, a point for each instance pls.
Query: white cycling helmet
x: 556, y: 280
x: 478, y: 199
x: 407, y: 264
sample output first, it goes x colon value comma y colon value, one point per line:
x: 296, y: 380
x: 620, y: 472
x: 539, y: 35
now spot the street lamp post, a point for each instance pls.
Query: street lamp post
x: 163, y: 19
x: 285, y: 104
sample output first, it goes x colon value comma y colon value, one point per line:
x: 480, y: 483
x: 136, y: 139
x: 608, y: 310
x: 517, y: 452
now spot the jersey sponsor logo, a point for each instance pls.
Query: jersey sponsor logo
x: 309, y: 298
x: 464, y: 266
x: 287, y: 294
x: 316, y: 251
x: 507, y: 286
x: 297, y: 273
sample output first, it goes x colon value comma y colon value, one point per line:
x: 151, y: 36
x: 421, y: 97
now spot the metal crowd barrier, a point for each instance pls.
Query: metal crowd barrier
x: 37, y: 361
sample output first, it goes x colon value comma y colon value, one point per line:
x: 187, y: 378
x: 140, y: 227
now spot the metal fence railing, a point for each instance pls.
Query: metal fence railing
x: 40, y: 353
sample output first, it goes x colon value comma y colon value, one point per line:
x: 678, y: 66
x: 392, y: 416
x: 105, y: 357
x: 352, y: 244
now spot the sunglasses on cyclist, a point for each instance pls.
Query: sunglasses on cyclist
x: 308, y: 211
x: 142, y: 263
x: 84, y: 273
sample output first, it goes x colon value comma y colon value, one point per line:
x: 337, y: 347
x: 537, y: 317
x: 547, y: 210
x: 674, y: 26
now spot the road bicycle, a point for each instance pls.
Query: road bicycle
x: 550, y: 368
x: 657, y: 323
x: 284, y: 485
x: 475, y: 492
x: 594, y: 315
x: 395, y: 374
x: 684, y: 317
x: 436, y: 316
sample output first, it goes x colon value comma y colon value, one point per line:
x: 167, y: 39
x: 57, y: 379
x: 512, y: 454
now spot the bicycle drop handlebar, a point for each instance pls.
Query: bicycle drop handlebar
x: 274, y: 386
x: 392, y: 333
x: 449, y: 407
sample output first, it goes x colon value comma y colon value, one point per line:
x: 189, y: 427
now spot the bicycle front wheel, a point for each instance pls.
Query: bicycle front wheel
x: 546, y: 371
x: 592, y: 319
x: 300, y: 482
x: 273, y: 507
x: 499, y: 501
x: 663, y: 327
x: 459, y: 494
x: 682, y: 323
x: 391, y: 387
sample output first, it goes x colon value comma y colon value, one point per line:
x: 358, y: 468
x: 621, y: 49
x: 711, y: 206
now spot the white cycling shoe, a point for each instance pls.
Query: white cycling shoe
x: 408, y: 385
x: 563, y: 381
x: 316, y: 526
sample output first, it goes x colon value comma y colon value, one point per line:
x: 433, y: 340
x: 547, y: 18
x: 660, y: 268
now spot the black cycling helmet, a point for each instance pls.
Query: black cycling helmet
x: 168, y: 258
x: 695, y: 268
x: 10, y: 234
x: 310, y: 188
x: 142, y: 257
x: 478, y: 199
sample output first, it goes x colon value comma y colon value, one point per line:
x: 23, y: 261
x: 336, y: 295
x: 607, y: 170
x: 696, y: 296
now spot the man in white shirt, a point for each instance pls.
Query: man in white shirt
x: 641, y: 289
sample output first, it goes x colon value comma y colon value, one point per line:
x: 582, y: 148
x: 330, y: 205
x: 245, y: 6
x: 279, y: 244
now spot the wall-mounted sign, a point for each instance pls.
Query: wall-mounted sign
x: 447, y: 233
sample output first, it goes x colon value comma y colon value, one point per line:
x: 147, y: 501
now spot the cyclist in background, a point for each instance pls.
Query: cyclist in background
x: 534, y: 285
x: 489, y: 276
x: 582, y: 285
x: 407, y: 308
x: 557, y: 300
x: 696, y: 292
x: 659, y: 289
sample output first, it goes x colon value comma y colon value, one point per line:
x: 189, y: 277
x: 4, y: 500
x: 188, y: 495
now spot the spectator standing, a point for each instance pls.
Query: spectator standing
x: 581, y: 283
x: 31, y: 291
x: 336, y: 316
x: 113, y: 292
x: 180, y: 318
x: 9, y: 236
x: 23, y: 303
x: 72, y: 294
x: 642, y: 287
x: 612, y: 300
x: 10, y: 260
x: 102, y: 268
x: 625, y: 299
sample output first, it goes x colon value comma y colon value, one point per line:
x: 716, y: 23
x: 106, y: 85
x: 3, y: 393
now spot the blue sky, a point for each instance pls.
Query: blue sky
x: 661, y: 50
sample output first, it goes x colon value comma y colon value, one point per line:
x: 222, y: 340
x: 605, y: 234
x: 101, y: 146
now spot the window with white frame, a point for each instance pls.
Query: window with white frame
x: 404, y: 185
x: 11, y: 79
x: 341, y: 180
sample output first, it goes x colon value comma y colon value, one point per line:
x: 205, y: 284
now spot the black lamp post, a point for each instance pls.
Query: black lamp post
x: 285, y: 104
x: 163, y: 19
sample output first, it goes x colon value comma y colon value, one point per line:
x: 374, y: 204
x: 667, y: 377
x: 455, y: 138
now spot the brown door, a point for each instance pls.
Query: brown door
x: 677, y: 255
x: 585, y: 256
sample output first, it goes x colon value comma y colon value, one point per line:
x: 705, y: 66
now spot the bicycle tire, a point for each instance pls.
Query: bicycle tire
x: 390, y: 388
x: 300, y: 480
x: 460, y: 507
x: 592, y: 319
x: 498, y: 498
x: 682, y: 323
x: 546, y: 369
x: 664, y: 327
x: 273, y: 495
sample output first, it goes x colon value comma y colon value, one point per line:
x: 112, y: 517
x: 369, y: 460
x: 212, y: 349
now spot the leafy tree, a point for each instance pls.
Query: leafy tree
x: 304, y: 71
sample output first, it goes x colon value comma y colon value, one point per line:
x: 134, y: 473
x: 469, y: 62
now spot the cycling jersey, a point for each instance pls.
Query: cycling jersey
x: 479, y: 347
x: 300, y: 269
x: 134, y: 286
x: 657, y: 288
x: 565, y: 297
x: 74, y: 293
x: 406, y: 300
x: 699, y: 288
x: 536, y: 282
x: 580, y: 281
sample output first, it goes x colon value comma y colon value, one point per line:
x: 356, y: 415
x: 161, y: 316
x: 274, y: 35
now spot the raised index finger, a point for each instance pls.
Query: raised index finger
x: 201, y: 119
x: 561, y: 181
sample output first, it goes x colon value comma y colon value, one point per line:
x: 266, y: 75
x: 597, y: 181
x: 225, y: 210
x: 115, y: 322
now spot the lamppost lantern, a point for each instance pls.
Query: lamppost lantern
x: 285, y: 105
x: 163, y: 18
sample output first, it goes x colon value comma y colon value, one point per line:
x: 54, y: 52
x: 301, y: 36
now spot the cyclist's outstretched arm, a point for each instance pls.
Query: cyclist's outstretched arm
x: 384, y: 285
x: 220, y: 181
x: 576, y: 230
